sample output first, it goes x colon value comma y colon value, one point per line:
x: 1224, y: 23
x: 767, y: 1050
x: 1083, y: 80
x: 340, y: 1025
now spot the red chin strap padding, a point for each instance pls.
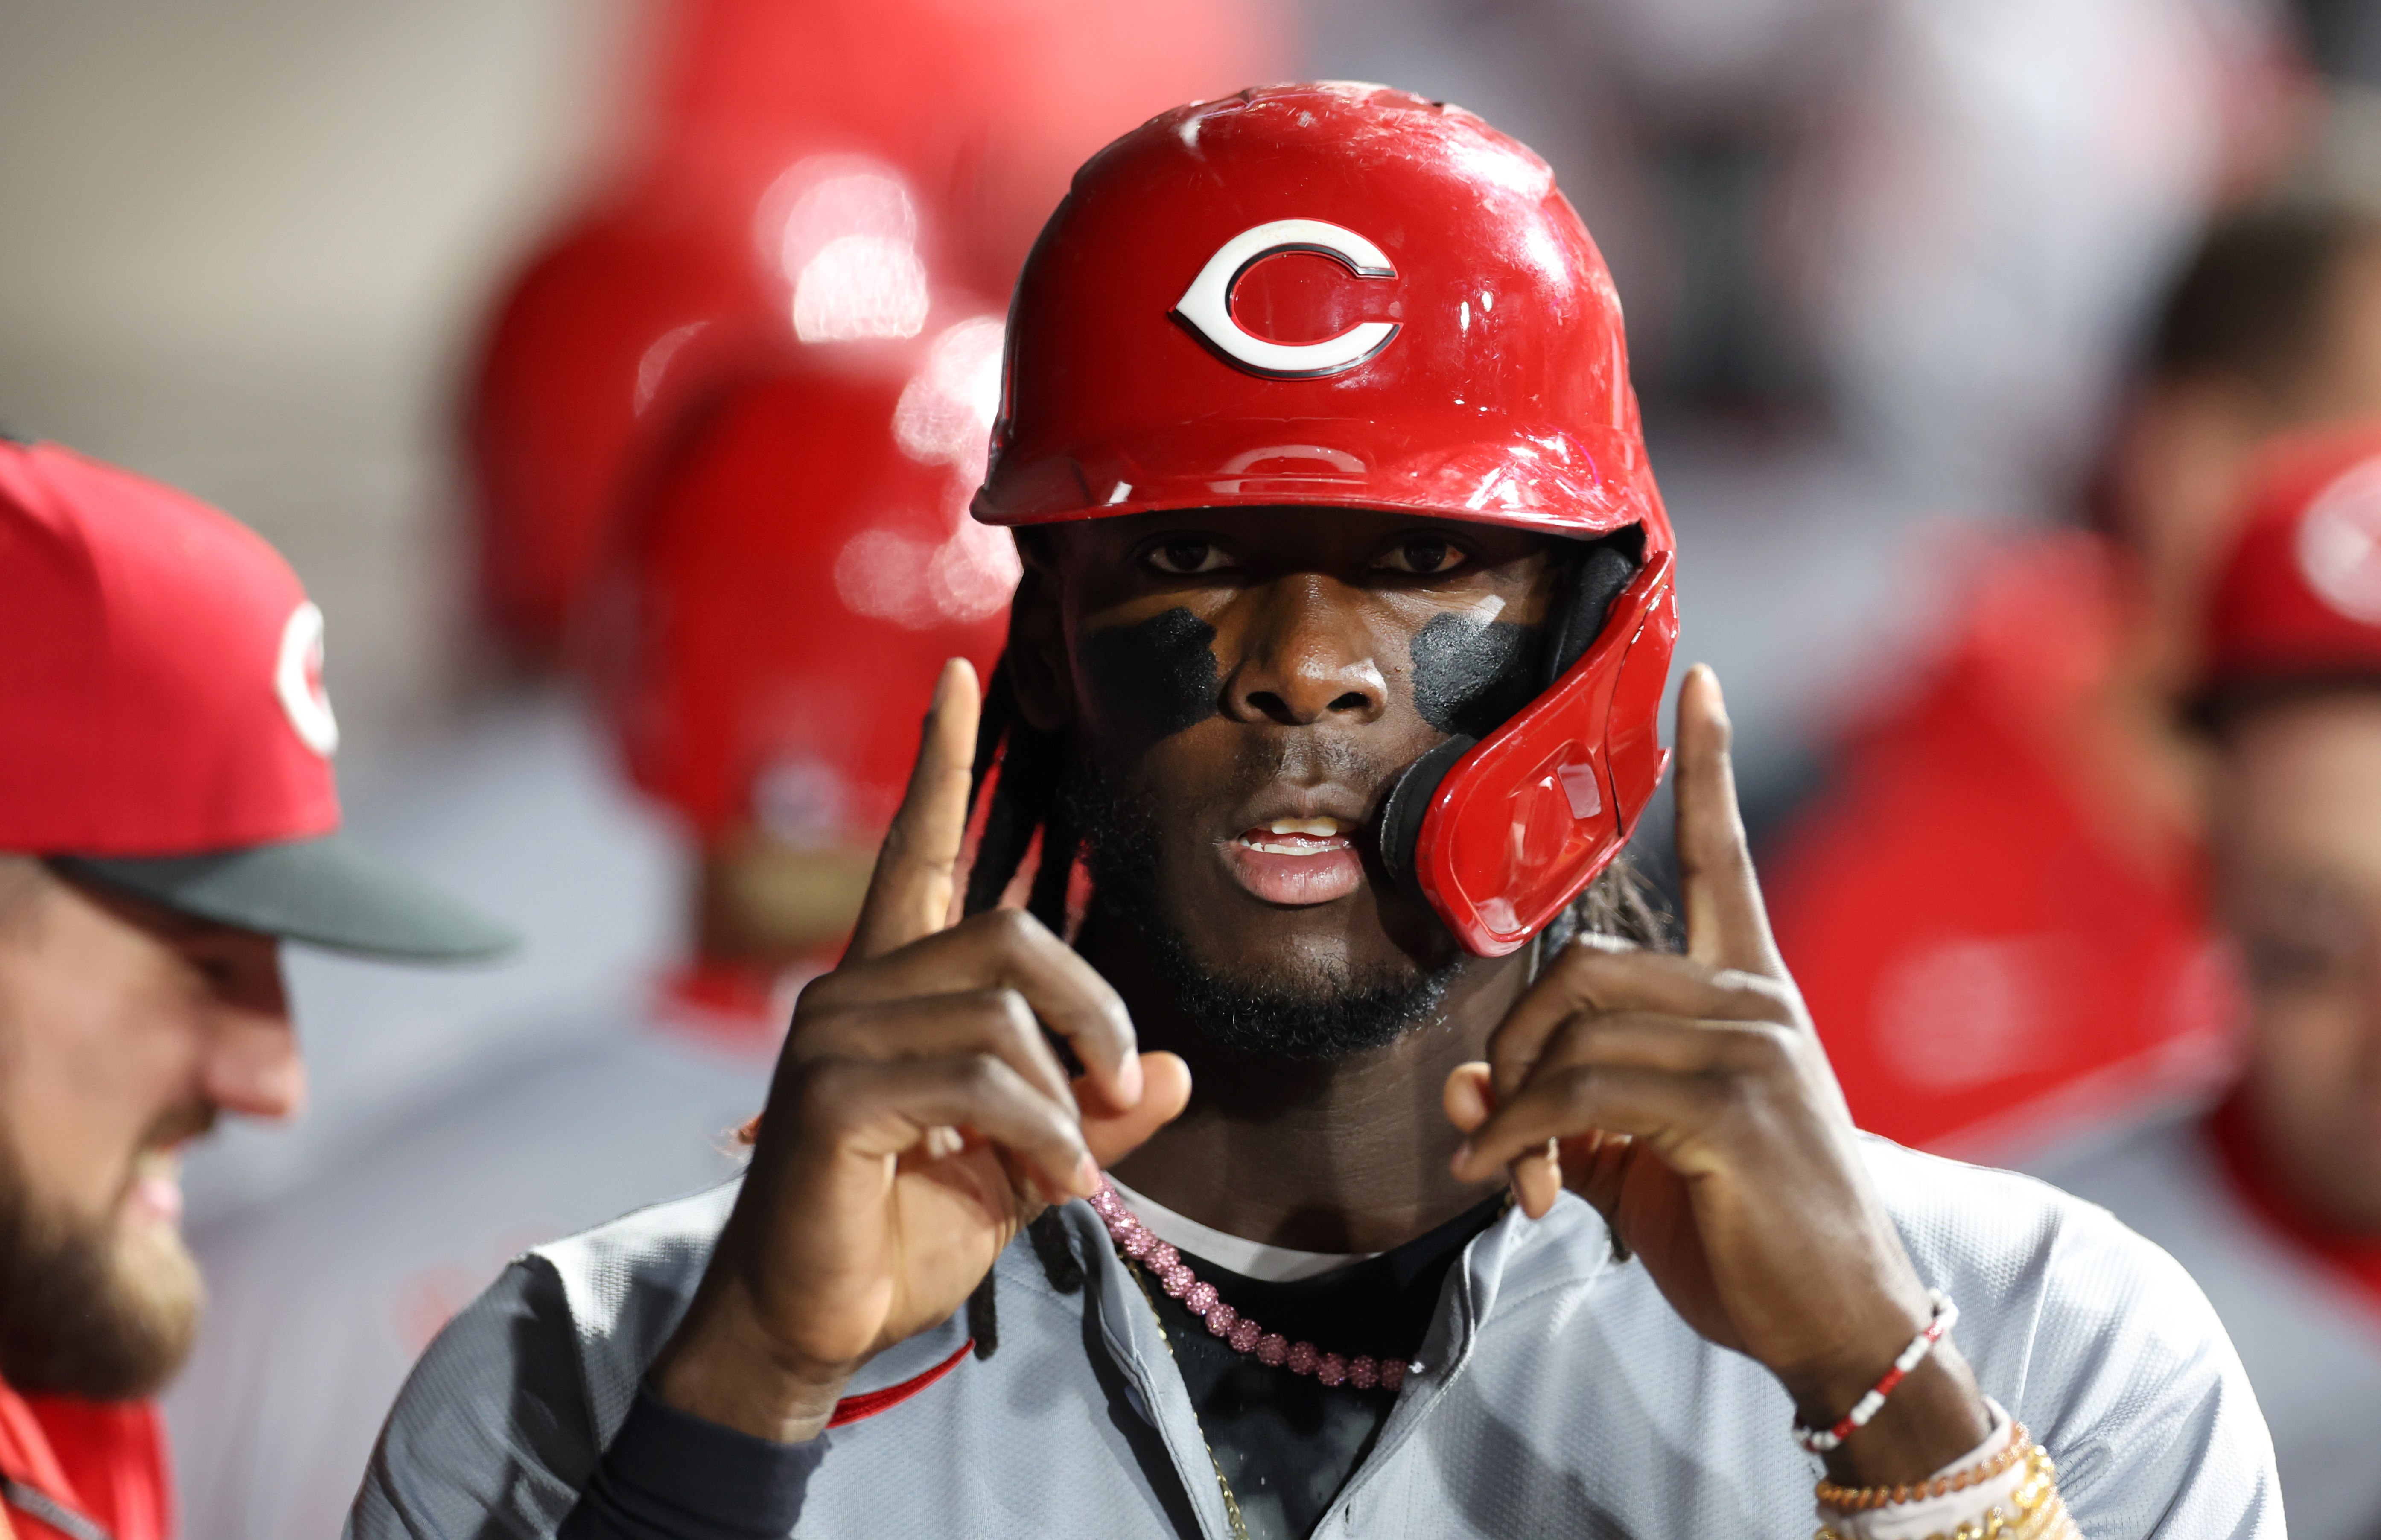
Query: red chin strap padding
x: 1523, y: 822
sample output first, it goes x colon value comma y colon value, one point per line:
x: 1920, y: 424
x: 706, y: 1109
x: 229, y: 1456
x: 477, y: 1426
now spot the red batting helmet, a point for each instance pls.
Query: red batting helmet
x: 794, y: 571
x: 1345, y: 295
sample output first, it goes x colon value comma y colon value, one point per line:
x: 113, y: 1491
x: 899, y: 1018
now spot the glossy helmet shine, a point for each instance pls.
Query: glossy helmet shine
x: 1343, y: 296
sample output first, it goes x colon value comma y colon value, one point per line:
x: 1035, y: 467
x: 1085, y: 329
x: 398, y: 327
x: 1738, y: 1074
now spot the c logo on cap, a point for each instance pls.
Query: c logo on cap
x: 1206, y: 306
x: 2339, y: 545
x: 298, y: 680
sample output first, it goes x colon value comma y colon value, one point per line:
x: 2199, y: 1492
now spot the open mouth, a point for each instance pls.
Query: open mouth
x: 1299, y: 837
x: 1297, y: 861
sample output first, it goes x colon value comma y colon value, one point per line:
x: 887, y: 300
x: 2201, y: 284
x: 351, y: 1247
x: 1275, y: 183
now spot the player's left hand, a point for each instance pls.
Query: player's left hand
x: 1689, y: 1099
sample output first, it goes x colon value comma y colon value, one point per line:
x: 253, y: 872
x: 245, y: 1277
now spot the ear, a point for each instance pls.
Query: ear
x: 1038, y: 670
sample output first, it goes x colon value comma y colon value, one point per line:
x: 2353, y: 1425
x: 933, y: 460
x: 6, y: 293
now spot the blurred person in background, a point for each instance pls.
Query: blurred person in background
x: 793, y: 569
x: 2273, y: 1200
x: 168, y: 819
x: 724, y: 212
x: 1993, y: 906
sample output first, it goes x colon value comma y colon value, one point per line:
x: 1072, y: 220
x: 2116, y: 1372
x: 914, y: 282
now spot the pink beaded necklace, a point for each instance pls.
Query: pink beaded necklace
x: 1242, y: 1335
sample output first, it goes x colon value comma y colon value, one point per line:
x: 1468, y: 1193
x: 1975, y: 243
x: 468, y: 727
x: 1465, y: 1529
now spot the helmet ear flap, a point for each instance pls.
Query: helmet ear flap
x: 1597, y: 577
x: 1568, y: 719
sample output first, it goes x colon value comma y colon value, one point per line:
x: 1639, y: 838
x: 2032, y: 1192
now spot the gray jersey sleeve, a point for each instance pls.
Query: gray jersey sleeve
x: 2100, y: 1343
x: 2159, y: 1433
x: 491, y: 1437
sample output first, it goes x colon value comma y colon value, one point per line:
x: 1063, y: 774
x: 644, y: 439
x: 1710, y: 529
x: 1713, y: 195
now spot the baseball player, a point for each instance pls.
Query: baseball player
x: 1357, y: 1168
x: 2273, y: 1200
x: 168, y: 819
x: 792, y: 574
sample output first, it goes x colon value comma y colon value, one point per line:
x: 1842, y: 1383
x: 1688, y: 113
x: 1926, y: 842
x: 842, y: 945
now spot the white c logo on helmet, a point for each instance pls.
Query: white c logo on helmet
x: 1206, y: 305
x: 298, y: 680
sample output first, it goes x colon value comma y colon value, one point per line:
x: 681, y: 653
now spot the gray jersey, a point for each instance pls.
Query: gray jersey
x: 320, y: 1302
x: 2311, y: 1344
x: 1556, y: 1392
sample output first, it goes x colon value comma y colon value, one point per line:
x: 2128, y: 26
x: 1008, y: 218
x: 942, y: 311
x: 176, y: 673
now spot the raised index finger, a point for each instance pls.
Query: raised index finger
x: 917, y: 868
x: 1728, y: 925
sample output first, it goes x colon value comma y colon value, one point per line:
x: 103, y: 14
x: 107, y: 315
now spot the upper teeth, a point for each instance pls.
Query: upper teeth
x: 1320, y: 826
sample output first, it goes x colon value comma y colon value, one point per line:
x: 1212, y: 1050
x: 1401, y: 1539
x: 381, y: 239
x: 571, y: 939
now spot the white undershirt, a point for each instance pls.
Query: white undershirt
x: 1251, y: 1259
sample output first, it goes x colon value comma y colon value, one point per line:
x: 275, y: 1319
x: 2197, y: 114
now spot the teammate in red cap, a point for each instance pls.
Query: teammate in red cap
x: 797, y: 565
x: 2015, y: 830
x: 1356, y: 1169
x: 167, y: 818
x: 2272, y: 1201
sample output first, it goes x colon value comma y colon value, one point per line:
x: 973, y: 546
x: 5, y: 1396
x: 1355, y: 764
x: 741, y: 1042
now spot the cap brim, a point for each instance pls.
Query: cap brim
x: 330, y: 892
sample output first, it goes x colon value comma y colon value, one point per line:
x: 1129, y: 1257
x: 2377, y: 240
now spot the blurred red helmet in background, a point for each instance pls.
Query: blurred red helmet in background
x: 2297, y: 602
x: 791, y: 571
x: 577, y: 354
x: 978, y: 114
x: 1344, y: 296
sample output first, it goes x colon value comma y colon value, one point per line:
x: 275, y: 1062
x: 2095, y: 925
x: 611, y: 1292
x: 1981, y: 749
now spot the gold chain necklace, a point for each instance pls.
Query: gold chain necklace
x: 1232, y: 1502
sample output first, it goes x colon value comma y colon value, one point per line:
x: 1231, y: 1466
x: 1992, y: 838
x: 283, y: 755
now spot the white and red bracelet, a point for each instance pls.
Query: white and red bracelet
x: 1946, y: 1316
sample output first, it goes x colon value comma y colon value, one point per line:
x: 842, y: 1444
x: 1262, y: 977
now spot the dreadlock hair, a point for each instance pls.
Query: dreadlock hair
x: 1027, y: 770
x: 1026, y: 807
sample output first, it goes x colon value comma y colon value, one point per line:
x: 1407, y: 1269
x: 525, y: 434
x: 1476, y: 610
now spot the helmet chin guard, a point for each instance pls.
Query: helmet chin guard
x: 1499, y: 836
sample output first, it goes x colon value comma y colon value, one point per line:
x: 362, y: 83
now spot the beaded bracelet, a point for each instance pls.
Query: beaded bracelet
x: 1859, y: 1499
x: 1946, y: 1316
x: 2040, y: 1513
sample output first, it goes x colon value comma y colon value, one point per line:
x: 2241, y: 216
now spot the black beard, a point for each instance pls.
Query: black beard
x: 1333, y: 1013
x: 84, y: 1311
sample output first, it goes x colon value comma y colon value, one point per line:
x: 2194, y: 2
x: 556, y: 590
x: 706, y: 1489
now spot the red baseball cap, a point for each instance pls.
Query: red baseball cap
x: 2297, y: 601
x: 168, y: 735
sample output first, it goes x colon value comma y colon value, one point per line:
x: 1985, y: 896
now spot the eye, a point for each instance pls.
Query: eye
x: 212, y: 963
x: 1423, y: 555
x: 1186, y: 554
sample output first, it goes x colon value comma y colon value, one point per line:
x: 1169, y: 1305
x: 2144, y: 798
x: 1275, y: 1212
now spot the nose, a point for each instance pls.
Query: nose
x: 252, y: 1066
x: 1307, y: 657
x: 256, y: 1072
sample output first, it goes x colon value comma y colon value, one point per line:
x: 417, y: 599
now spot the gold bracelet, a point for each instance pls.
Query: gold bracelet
x: 1857, y: 1499
x: 2041, y: 1512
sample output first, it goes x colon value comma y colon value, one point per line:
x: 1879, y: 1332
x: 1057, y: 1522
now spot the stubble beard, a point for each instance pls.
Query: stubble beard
x: 101, y: 1307
x: 1317, y: 1012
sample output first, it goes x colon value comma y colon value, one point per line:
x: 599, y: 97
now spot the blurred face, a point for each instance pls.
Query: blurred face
x: 124, y: 1031
x: 2299, y: 865
x: 1243, y: 687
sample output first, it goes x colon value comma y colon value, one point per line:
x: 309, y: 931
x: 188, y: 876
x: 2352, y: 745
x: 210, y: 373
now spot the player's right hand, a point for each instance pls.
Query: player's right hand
x: 917, y: 1120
